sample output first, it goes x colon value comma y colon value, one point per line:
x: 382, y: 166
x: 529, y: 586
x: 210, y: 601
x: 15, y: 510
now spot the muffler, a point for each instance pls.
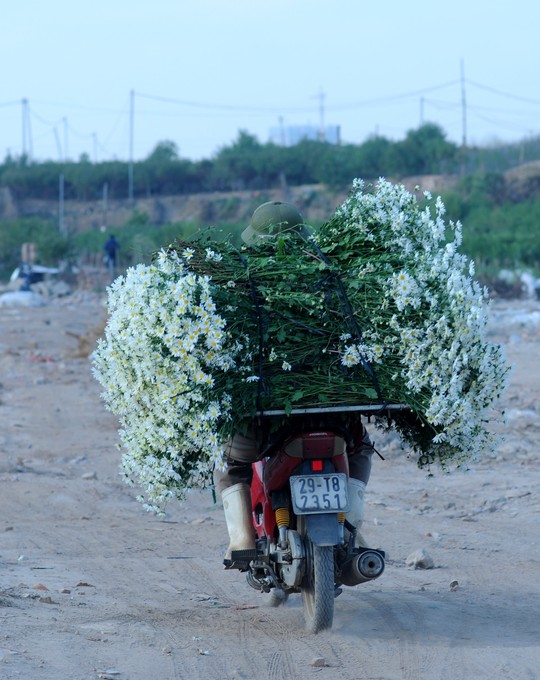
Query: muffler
x: 365, y: 566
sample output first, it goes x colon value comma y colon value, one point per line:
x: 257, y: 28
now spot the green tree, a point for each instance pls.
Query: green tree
x: 163, y: 173
x: 235, y: 167
x: 425, y: 151
x: 163, y: 153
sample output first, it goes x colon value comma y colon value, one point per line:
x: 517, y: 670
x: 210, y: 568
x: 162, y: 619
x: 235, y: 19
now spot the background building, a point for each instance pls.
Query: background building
x: 289, y: 135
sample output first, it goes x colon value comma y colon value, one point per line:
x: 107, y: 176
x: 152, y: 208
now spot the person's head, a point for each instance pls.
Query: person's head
x: 273, y: 218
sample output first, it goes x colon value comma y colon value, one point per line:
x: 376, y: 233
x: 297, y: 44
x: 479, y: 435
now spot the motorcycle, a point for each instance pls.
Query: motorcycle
x: 299, y: 498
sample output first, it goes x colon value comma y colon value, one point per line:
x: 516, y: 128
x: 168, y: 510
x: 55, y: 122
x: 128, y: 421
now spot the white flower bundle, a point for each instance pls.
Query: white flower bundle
x: 163, y: 355
x: 378, y: 307
x: 431, y: 316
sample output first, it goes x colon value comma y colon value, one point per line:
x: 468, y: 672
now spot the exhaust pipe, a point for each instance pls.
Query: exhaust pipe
x: 366, y: 566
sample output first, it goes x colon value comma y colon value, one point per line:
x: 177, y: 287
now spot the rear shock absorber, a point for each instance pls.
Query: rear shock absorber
x: 283, y: 520
x: 341, y: 520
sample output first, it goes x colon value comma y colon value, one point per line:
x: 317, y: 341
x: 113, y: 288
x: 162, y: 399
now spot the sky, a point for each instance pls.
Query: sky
x: 113, y: 78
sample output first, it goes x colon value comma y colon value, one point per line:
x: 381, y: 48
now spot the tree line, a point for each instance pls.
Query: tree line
x: 500, y: 215
x: 249, y: 164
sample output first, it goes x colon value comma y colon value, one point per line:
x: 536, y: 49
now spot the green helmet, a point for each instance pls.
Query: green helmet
x: 281, y: 216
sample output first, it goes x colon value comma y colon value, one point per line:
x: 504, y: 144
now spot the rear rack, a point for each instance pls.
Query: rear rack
x: 368, y: 409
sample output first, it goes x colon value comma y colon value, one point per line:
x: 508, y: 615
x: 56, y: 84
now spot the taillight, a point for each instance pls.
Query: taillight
x: 316, y: 466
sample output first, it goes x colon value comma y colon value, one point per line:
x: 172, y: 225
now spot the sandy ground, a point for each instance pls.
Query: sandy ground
x: 92, y: 586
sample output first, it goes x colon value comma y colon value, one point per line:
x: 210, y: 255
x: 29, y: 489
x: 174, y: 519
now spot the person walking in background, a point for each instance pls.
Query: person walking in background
x: 111, y: 249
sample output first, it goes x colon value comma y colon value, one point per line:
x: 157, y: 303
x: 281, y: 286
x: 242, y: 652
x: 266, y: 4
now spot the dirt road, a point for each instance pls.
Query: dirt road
x: 92, y: 586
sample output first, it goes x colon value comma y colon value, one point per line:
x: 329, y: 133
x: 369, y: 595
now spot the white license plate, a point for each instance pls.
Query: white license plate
x: 319, y: 493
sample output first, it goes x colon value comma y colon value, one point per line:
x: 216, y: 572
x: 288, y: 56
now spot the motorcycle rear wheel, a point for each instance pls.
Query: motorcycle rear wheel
x: 318, y: 587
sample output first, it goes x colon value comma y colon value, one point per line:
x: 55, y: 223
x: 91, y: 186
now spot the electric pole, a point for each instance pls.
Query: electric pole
x: 105, y: 198
x: 58, y: 145
x: 130, y: 164
x: 61, y: 223
x: 23, y: 102
x: 26, y: 130
x: 65, y: 124
x: 322, y: 134
x: 463, y: 107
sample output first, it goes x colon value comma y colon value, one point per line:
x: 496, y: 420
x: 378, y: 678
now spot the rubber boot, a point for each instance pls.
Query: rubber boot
x: 356, y: 509
x: 237, y: 507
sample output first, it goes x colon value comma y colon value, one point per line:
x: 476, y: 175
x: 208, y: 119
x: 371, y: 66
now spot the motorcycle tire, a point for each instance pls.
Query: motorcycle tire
x: 318, y: 587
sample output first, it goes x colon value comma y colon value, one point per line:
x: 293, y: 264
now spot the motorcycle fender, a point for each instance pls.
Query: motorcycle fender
x: 323, y: 529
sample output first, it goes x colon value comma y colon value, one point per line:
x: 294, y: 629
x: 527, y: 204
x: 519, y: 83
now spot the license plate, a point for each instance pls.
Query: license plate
x: 319, y: 493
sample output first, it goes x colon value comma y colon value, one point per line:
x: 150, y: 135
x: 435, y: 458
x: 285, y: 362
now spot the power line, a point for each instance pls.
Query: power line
x: 445, y: 104
x: 212, y: 109
x: 225, y: 107
x: 442, y: 104
x: 81, y: 107
x: 527, y: 100
x: 50, y: 123
x: 283, y: 108
x: 391, y: 98
x: 500, y: 123
x: 77, y: 133
x: 121, y: 114
x: 286, y: 109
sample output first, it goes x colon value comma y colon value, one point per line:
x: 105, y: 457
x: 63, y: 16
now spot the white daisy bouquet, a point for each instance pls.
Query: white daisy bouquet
x: 164, y: 366
x: 378, y: 307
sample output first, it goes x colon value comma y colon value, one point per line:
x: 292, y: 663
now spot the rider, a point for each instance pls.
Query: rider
x: 241, y: 451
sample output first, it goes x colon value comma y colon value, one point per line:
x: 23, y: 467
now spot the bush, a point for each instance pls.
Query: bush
x: 51, y: 246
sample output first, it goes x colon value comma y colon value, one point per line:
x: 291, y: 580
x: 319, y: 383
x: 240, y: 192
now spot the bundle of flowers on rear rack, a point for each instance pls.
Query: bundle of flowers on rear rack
x: 377, y: 308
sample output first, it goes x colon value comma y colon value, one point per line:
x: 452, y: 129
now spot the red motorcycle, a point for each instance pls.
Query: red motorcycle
x: 299, y: 496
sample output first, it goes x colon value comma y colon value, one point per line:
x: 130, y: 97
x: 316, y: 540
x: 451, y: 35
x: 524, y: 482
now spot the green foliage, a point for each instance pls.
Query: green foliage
x: 246, y: 164
x: 138, y: 240
x: 500, y: 213
x: 375, y: 158
x: 505, y: 236
x: 51, y: 246
x: 250, y: 164
x: 425, y: 151
x: 497, y: 232
x: 164, y: 152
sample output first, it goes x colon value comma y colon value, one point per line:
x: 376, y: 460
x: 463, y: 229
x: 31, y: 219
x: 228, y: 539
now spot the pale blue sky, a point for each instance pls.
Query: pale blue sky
x: 203, y: 69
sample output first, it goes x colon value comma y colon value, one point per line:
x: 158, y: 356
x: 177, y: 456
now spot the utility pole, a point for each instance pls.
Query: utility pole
x: 23, y: 102
x: 65, y: 123
x: 130, y: 164
x: 29, y: 124
x: 421, y: 110
x: 322, y: 134
x: 61, y: 223
x: 104, y: 202
x: 463, y: 107
x: 58, y: 145
x: 26, y: 130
